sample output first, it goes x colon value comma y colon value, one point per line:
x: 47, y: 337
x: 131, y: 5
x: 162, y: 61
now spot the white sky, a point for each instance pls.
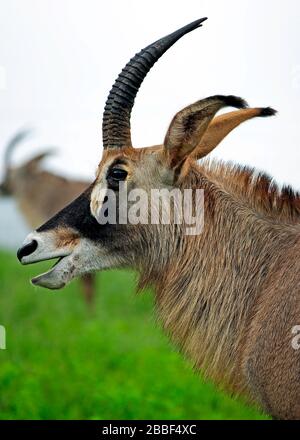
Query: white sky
x: 59, y: 58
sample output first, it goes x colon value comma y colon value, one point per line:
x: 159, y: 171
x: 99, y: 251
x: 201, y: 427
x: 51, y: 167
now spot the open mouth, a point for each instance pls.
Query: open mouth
x: 42, y: 247
x: 57, y: 276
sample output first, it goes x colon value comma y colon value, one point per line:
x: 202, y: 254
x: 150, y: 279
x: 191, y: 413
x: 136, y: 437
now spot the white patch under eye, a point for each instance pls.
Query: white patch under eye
x: 97, y: 198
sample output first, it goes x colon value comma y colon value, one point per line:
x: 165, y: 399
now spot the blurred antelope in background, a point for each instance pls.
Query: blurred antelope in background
x: 40, y: 194
x: 228, y: 297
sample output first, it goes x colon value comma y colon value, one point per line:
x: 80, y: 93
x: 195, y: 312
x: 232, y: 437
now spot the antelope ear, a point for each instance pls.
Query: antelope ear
x: 189, y: 125
x: 222, y: 125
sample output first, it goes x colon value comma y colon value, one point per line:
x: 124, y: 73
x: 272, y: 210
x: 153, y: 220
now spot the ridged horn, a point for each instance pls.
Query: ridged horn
x: 116, y: 116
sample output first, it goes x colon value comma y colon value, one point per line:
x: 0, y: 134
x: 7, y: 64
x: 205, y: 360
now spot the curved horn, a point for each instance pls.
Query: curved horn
x: 116, y: 116
x: 13, y: 142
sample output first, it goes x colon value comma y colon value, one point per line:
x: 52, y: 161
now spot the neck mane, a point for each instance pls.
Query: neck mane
x: 207, y: 286
x: 256, y: 189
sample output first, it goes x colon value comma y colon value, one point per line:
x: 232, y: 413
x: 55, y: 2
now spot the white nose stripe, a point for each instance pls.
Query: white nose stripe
x: 46, y: 248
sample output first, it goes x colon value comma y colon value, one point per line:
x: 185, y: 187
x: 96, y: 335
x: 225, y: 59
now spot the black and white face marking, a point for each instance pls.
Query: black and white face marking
x: 109, y: 178
x: 84, y: 244
x: 76, y: 216
x: 74, y: 236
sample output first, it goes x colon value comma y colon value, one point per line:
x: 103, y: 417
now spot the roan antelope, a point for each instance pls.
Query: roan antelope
x: 228, y: 297
x: 40, y: 194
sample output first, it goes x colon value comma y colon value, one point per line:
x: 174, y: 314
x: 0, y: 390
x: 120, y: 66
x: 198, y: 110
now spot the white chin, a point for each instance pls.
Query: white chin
x: 57, y: 277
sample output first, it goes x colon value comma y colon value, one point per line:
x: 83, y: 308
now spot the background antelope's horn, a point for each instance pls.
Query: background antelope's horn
x: 13, y: 142
x: 116, y: 116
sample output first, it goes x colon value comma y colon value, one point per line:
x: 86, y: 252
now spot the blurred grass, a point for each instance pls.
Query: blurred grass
x: 64, y: 362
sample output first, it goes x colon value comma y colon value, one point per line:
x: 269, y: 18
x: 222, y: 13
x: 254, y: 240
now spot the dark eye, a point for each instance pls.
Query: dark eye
x: 116, y: 175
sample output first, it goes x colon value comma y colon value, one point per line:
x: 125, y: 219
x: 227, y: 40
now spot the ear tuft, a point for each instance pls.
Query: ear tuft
x: 267, y: 111
x: 233, y: 101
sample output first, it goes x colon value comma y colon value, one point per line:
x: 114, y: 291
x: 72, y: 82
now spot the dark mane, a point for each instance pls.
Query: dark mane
x: 257, y: 189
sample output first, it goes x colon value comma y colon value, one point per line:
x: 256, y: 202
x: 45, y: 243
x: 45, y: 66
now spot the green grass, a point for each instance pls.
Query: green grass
x: 64, y: 362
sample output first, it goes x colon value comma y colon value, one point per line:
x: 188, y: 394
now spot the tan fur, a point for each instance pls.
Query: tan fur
x: 211, y: 288
x: 65, y: 237
x: 41, y: 194
x: 260, y: 190
x: 228, y: 297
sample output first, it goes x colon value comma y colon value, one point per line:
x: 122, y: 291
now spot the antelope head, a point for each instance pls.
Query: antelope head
x: 16, y: 177
x: 10, y: 173
x: 76, y: 236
